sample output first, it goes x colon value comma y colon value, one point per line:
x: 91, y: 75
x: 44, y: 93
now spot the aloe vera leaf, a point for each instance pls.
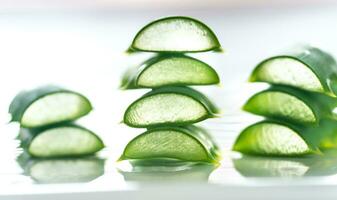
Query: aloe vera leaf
x: 275, y: 138
x: 48, y: 105
x: 169, y: 70
x: 292, y: 104
x: 304, y: 67
x: 169, y: 106
x: 179, y: 143
x: 175, y: 34
x: 65, y: 140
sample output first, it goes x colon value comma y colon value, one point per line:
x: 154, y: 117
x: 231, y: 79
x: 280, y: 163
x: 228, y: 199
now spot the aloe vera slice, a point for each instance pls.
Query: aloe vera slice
x: 179, y: 143
x: 63, y: 170
x: 60, y: 141
x: 305, y: 67
x: 175, y: 34
x: 277, y: 138
x: 292, y: 105
x: 48, y: 105
x: 164, y: 70
x: 169, y: 106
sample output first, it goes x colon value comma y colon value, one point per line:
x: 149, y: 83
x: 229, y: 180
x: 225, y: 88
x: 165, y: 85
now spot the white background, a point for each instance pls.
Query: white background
x: 82, y: 48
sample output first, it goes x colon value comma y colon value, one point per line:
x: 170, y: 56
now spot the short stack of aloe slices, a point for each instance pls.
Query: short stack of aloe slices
x: 170, y: 109
x: 299, y: 105
x: 46, y: 115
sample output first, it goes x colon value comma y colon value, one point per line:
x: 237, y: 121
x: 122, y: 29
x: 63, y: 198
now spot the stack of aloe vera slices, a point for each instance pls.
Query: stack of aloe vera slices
x: 299, y: 105
x: 46, y: 116
x: 171, y: 107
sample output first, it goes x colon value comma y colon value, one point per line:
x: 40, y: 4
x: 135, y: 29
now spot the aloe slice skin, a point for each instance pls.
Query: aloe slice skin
x: 190, y: 143
x: 170, y: 70
x: 175, y: 34
x: 169, y: 106
x: 48, y: 105
x: 65, y: 140
x: 293, y: 105
x: 62, y: 170
x: 304, y: 67
x: 275, y: 138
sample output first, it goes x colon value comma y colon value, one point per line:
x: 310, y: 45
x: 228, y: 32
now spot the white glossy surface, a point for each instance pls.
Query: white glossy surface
x: 83, y: 51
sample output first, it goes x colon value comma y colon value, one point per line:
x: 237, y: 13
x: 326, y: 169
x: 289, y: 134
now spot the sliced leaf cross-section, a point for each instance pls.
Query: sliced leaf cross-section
x: 48, y: 105
x: 275, y: 138
x: 179, y: 143
x: 60, y: 141
x: 175, y: 34
x: 305, y: 67
x: 291, y: 104
x: 169, y: 106
x: 164, y: 70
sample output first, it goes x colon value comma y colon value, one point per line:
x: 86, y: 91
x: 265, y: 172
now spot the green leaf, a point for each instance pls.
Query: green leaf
x: 65, y: 140
x: 169, y: 106
x: 175, y: 34
x: 48, y: 105
x: 292, y: 104
x: 274, y: 138
x: 305, y: 67
x: 189, y: 143
x: 172, y: 69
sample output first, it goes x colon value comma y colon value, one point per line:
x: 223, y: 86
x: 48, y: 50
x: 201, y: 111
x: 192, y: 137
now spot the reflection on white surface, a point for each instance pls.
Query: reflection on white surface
x: 287, y: 167
x: 168, y: 172
x: 62, y: 170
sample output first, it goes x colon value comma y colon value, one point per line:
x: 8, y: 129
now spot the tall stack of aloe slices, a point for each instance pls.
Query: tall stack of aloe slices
x: 298, y: 106
x: 46, y: 115
x: 171, y: 107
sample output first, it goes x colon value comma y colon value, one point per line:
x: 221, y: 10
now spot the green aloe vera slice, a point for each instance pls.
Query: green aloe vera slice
x: 169, y: 106
x: 164, y: 70
x: 188, y: 143
x: 292, y: 105
x: 305, y: 67
x: 62, y: 170
x: 175, y: 34
x: 276, y: 138
x: 60, y: 141
x: 48, y: 105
